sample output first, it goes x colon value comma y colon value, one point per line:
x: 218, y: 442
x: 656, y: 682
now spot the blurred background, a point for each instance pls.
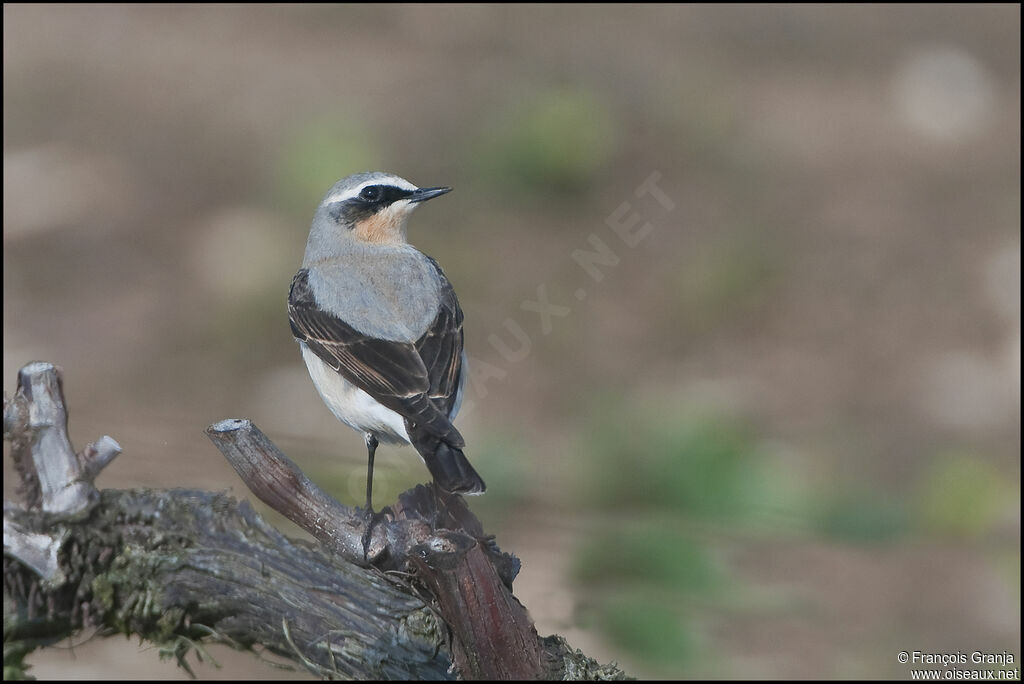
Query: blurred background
x: 741, y: 288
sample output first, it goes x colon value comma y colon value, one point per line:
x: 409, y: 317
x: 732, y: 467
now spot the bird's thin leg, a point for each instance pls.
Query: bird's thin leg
x: 371, y: 518
x: 371, y: 449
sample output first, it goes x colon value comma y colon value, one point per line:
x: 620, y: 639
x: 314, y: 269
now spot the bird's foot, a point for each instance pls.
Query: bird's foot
x: 370, y: 521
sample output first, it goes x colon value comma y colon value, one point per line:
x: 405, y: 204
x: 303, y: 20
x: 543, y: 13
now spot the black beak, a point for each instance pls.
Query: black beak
x: 423, y: 194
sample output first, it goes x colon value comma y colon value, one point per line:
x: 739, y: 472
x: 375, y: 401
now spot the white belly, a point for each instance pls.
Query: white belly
x: 351, y: 405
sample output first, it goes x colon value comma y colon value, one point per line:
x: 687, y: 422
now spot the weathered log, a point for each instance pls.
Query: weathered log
x: 418, y: 591
x: 178, y: 566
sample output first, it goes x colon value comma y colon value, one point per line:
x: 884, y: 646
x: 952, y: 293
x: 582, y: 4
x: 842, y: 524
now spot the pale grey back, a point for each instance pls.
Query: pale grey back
x: 388, y: 292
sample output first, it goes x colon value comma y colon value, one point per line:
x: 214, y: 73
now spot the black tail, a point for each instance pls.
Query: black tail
x: 452, y: 471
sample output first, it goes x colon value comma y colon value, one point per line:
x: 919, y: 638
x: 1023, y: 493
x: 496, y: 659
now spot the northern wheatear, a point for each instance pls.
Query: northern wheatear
x: 380, y: 328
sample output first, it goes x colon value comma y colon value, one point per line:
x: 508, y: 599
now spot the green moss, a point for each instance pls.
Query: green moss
x: 15, y: 667
x: 168, y: 623
x: 103, y: 593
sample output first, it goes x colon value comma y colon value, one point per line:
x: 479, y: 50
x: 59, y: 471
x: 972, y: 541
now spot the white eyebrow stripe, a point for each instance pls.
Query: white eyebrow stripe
x: 352, y: 192
x: 339, y: 197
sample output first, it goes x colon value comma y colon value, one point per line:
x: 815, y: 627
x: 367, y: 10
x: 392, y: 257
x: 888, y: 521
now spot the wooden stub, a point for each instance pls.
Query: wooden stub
x: 56, y: 469
x: 493, y: 635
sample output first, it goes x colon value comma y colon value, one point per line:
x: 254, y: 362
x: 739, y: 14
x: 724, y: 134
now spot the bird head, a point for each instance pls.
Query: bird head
x: 373, y: 207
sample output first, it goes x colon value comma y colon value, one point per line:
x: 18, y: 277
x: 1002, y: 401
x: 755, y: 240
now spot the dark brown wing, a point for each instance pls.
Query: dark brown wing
x: 391, y: 372
x: 440, y: 348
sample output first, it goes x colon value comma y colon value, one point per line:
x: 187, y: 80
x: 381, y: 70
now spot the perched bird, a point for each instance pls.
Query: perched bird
x: 380, y: 327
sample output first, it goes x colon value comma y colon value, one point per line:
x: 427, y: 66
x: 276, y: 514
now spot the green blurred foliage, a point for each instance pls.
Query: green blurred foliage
x: 649, y: 628
x: 650, y: 555
x: 317, y: 154
x: 961, y: 495
x: 704, y: 467
x: 640, y: 579
x: 557, y: 141
x: 643, y: 575
x: 862, y: 517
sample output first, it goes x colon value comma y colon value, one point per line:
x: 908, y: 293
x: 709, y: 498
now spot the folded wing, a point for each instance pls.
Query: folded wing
x: 419, y: 381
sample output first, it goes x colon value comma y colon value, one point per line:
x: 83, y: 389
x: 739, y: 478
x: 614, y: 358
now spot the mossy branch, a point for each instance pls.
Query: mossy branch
x: 420, y: 592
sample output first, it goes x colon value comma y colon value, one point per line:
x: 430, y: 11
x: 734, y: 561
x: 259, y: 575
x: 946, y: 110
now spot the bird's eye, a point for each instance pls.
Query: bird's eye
x: 371, y: 193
